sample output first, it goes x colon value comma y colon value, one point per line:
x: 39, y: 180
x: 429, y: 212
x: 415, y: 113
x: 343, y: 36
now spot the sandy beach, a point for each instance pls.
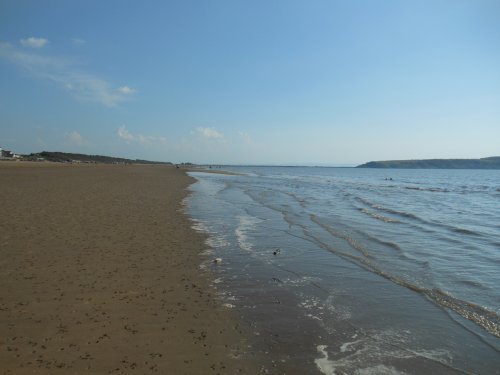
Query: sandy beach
x: 99, y: 273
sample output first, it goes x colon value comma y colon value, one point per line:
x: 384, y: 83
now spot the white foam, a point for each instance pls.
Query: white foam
x: 299, y: 281
x: 314, y: 317
x: 328, y: 367
x: 379, y: 370
x: 311, y: 303
x: 217, y: 241
x: 199, y: 226
x: 324, y: 365
x: 246, y: 223
x: 348, y: 346
x: 322, y: 309
x: 372, y: 351
x: 207, y: 252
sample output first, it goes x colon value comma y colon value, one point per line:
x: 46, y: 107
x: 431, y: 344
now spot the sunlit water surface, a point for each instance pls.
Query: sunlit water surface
x: 343, y: 270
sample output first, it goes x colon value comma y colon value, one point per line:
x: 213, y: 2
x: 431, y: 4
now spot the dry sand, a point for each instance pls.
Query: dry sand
x: 99, y: 273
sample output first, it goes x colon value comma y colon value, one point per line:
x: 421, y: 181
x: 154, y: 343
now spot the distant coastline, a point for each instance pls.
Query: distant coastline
x: 67, y: 157
x: 483, y: 163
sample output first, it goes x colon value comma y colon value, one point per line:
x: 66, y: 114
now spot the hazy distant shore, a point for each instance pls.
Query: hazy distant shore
x: 100, y: 273
x: 483, y: 163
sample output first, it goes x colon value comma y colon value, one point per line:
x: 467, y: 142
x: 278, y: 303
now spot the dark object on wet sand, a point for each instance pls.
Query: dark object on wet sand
x: 276, y: 252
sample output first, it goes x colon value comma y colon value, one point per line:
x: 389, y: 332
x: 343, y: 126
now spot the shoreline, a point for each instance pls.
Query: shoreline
x: 100, y: 273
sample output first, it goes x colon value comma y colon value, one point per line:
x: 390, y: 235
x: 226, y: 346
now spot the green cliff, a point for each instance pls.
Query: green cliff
x: 484, y: 163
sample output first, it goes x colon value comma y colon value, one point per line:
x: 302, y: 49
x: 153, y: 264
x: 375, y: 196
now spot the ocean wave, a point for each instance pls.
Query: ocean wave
x: 376, y: 352
x: 430, y: 189
x: 344, y: 236
x: 379, y: 207
x: 462, y: 230
x: 377, y: 216
x: 300, y: 201
x: 412, y: 217
x: 483, y: 317
x: 372, y: 238
x: 487, y: 319
x: 473, y: 283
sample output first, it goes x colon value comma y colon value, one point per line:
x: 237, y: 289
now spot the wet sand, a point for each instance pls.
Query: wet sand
x: 99, y: 273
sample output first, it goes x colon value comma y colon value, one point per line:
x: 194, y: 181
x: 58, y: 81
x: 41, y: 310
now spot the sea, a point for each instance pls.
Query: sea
x: 357, y: 271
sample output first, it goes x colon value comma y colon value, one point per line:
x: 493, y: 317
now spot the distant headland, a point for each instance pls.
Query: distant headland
x: 67, y: 157
x: 483, y: 163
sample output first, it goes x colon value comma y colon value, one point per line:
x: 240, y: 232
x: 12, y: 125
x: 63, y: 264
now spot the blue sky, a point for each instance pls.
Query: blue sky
x: 258, y: 82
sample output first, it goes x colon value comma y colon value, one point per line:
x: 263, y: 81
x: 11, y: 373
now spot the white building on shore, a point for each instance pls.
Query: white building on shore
x: 6, y: 154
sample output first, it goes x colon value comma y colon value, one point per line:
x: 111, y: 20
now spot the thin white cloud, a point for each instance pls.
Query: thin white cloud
x: 245, y: 137
x: 74, y: 138
x: 124, y: 134
x: 78, y: 41
x: 209, y: 133
x: 34, y: 42
x: 83, y: 86
x: 126, y: 90
x: 128, y: 137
